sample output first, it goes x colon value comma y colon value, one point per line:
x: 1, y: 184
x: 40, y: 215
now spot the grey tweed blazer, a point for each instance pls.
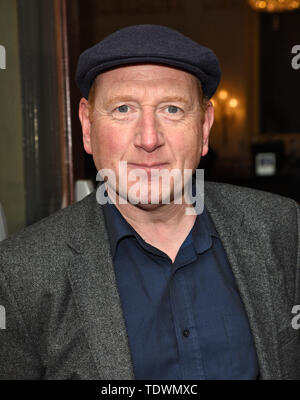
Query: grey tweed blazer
x: 63, y: 313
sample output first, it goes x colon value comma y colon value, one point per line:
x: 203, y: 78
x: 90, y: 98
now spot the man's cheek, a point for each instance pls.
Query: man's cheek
x: 189, y: 149
x: 103, y: 141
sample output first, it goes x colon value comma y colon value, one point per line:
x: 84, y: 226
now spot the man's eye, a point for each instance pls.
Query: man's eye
x: 123, y: 109
x: 173, y: 109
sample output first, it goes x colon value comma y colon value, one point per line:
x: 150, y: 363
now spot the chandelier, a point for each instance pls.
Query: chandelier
x: 274, y: 5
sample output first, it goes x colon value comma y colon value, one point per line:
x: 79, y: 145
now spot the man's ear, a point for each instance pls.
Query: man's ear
x: 207, y: 124
x: 84, y: 116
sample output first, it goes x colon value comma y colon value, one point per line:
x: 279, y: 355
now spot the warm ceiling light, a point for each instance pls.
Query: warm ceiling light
x: 233, y: 103
x: 223, y: 94
x: 261, y: 4
x: 274, y: 5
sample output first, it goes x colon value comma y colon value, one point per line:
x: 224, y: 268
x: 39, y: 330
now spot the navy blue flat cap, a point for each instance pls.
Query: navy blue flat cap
x: 149, y: 44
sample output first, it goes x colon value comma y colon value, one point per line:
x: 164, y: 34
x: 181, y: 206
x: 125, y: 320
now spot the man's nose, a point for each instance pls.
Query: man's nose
x: 148, y: 134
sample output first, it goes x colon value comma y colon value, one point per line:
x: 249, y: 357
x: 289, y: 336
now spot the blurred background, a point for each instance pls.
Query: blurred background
x: 255, y: 140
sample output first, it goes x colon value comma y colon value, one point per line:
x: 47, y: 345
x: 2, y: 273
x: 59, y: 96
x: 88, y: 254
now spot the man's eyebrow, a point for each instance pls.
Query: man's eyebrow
x: 180, y: 99
x: 117, y: 99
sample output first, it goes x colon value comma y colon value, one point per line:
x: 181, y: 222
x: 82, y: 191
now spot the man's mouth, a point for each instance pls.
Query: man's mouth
x: 148, y: 167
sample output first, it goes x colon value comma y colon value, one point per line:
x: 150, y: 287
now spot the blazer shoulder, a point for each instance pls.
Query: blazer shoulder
x: 273, y: 217
x: 273, y: 220
x: 256, y: 202
x: 47, y: 237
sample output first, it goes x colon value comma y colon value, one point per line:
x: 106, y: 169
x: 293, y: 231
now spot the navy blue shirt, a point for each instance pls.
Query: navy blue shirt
x: 185, y: 320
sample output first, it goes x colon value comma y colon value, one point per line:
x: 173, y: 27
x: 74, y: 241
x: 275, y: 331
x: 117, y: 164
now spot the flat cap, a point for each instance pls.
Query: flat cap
x: 149, y: 44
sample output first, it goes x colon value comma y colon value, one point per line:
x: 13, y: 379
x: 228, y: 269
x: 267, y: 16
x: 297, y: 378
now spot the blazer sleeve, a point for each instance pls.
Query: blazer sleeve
x: 297, y: 283
x: 290, y: 350
x: 18, y: 356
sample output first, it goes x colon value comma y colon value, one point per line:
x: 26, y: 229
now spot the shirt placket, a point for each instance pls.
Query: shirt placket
x: 190, y: 357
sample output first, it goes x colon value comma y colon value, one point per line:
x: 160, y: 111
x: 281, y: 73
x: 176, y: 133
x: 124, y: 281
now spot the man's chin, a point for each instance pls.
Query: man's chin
x: 148, y: 206
x: 145, y: 203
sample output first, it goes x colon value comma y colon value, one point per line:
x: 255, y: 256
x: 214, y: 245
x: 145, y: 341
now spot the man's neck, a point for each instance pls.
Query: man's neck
x: 164, y: 226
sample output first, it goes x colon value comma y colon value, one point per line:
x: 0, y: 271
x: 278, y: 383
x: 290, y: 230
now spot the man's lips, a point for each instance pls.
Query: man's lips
x: 153, y: 165
x: 148, y: 167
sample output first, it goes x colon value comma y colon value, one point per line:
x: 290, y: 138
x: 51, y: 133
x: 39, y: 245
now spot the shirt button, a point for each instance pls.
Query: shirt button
x: 186, y: 333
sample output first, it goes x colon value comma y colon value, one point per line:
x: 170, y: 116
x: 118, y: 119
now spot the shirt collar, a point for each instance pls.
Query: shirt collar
x: 117, y: 226
x: 203, y: 231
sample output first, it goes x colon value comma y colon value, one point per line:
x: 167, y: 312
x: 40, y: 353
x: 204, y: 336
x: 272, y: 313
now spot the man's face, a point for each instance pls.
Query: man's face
x: 147, y: 115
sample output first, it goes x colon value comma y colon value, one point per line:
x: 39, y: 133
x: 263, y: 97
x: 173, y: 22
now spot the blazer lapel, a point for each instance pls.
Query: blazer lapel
x: 92, y: 278
x: 247, y: 259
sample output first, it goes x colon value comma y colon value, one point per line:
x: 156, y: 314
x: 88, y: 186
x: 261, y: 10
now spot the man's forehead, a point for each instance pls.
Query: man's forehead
x: 146, y: 73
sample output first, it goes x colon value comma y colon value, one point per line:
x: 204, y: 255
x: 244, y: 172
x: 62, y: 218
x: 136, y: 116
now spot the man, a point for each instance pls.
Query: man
x: 145, y: 290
